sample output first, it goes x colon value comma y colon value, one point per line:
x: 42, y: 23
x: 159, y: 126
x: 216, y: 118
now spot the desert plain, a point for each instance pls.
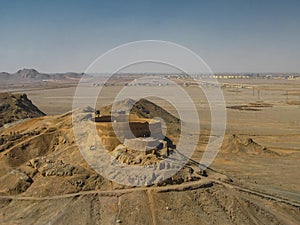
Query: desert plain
x: 264, y: 186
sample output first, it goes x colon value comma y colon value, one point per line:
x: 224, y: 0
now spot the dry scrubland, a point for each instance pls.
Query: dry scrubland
x: 261, y: 154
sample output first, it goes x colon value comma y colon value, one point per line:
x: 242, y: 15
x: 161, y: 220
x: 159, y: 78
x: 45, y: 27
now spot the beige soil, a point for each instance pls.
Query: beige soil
x: 265, y: 187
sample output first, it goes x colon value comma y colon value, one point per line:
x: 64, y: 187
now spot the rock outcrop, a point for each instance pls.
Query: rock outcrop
x: 14, y: 107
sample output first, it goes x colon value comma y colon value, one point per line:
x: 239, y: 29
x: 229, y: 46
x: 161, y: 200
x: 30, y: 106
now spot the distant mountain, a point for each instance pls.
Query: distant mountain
x: 32, y: 74
x: 4, y: 75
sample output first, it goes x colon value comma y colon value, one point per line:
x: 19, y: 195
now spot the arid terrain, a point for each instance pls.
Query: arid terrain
x: 254, y: 180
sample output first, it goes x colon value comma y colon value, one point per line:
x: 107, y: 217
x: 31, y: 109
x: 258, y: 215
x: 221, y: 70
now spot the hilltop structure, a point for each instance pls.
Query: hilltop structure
x: 140, y: 134
x: 132, y: 139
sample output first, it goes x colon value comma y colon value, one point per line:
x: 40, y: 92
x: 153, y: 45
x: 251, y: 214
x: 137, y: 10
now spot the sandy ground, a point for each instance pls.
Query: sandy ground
x: 276, y: 127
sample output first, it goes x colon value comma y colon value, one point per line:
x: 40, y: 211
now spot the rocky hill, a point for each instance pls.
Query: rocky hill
x: 45, y: 179
x: 146, y: 109
x: 235, y: 144
x: 14, y: 107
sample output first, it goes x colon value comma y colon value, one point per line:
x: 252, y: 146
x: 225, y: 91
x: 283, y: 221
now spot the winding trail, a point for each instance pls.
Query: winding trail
x: 202, y: 183
x: 178, y: 187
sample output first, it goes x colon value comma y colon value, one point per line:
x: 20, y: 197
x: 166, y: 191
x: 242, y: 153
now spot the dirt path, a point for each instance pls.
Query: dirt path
x: 178, y: 187
x: 260, y: 194
x: 204, y: 182
x: 151, y: 205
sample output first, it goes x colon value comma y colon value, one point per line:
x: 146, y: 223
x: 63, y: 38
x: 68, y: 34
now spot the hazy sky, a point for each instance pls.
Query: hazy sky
x: 231, y: 36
